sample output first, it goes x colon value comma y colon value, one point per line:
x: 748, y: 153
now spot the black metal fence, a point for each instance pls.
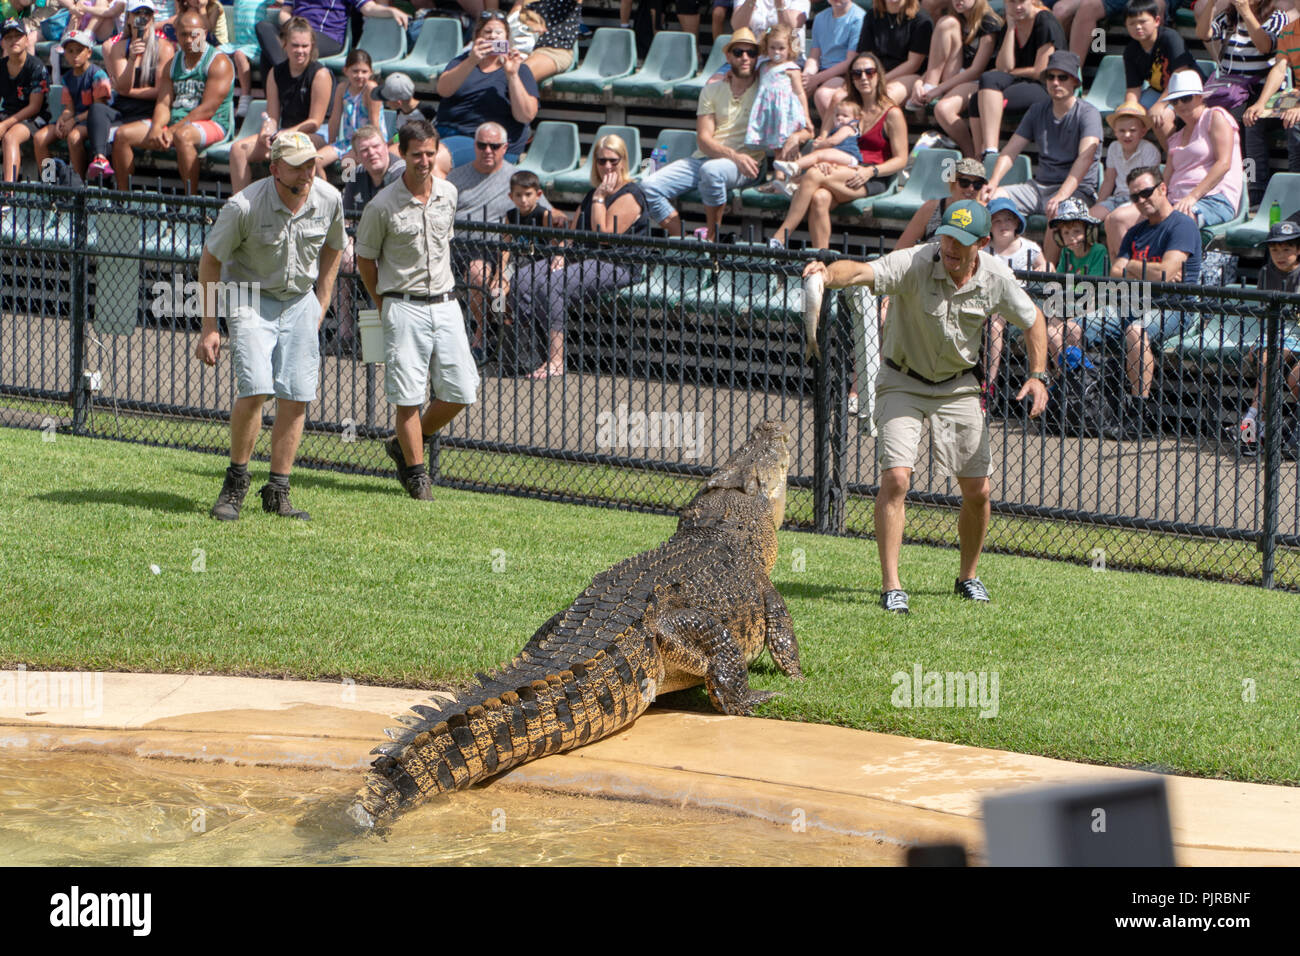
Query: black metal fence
x: 671, y: 352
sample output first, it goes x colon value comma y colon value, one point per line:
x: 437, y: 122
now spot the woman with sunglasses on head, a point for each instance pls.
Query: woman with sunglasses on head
x: 544, y: 290
x: 491, y: 82
x: 883, y: 146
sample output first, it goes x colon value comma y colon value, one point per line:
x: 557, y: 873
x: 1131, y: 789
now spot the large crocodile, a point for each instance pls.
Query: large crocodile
x: 700, y: 607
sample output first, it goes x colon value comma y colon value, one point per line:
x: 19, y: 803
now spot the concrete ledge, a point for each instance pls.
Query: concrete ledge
x: 895, y: 790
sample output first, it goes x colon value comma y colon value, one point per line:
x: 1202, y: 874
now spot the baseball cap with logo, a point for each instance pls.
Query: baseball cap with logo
x: 966, y: 221
x: 83, y: 37
x: 294, y: 148
x: 1284, y: 231
x: 398, y: 88
x: 10, y: 26
x: 135, y: 5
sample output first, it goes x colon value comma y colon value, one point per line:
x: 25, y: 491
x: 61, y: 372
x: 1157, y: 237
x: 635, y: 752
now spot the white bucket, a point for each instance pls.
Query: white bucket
x: 372, y: 336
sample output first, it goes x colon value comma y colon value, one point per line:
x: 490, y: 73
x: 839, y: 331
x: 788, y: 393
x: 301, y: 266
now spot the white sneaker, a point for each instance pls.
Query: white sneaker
x: 790, y: 169
x: 775, y: 243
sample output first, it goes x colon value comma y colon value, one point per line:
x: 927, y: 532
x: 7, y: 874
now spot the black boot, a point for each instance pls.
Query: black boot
x: 232, y: 494
x: 275, y: 500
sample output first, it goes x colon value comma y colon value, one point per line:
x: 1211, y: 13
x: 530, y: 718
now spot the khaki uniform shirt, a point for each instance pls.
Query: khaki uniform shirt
x: 934, y: 328
x: 259, y: 240
x: 410, y: 241
x: 730, y: 117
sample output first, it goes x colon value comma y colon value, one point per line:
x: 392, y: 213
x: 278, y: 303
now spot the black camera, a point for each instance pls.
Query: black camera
x: 141, y: 22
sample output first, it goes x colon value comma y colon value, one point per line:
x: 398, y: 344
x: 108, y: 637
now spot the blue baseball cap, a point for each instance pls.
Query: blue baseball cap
x: 1284, y: 231
x: 1003, y: 204
x: 966, y: 221
x: 10, y: 26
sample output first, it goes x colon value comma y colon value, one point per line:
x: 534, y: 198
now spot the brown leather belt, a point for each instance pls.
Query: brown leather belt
x: 922, y: 378
x: 421, y: 299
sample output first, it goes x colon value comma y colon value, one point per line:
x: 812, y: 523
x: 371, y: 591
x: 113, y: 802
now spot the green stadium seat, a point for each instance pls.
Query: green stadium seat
x: 1210, y: 233
x: 220, y: 152
x: 1284, y: 189
x: 611, y: 55
x: 1208, y: 68
x: 926, y: 182
x: 579, y: 180
x: 690, y: 89
x: 383, y: 39
x: 1022, y: 170
x: 759, y: 294
x: 1219, y: 340
x: 1107, y: 89
x: 665, y: 284
x: 437, y: 45
x: 671, y: 59
x: 335, y: 63
x: 677, y: 143
x: 554, y: 149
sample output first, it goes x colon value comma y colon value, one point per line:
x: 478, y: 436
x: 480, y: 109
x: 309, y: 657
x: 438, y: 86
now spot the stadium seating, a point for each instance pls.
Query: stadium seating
x: 690, y: 89
x: 672, y: 58
x: 220, y: 152
x: 612, y: 54
x: 437, y: 45
x: 664, y: 285
x: 335, y: 63
x: 1107, y: 89
x: 579, y: 180
x: 677, y: 143
x: 1284, y: 189
x: 383, y: 39
x: 926, y: 182
x: 554, y: 149
x: 1210, y: 233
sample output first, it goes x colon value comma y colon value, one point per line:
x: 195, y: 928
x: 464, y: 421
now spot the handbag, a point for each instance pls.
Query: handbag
x: 1230, y: 91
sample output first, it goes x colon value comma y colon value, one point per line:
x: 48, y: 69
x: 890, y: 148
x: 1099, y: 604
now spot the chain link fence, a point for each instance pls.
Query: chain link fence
x: 671, y: 351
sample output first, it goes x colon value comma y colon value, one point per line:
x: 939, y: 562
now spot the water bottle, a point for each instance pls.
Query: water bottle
x: 268, y: 125
x: 1274, y: 213
x: 658, y: 158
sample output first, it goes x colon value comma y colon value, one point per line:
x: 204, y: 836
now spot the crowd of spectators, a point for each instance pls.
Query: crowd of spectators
x: 815, y: 107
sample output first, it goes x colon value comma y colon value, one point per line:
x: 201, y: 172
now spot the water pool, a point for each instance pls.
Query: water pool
x: 70, y: 809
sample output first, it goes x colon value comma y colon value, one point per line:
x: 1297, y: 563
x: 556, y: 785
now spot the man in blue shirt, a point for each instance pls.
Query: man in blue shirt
x: 1164, y: 247
x: 834, y: 36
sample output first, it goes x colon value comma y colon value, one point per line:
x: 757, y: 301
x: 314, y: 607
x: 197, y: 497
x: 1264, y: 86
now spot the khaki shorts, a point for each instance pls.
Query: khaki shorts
x: 959, y: 435
x: 423, y: 342
x: 563, y: 59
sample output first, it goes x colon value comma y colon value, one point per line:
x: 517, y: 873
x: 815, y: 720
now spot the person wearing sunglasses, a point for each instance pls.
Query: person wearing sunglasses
x: 722, y: 162
x: 965, y: 181
x: 883, y: 150
x: 543, y: 291
x: 1067, y: 131
x: 486, y: 85
x: 1164, y: 247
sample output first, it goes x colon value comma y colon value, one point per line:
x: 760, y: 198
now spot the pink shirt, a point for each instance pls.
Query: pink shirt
x: 1191, y: 154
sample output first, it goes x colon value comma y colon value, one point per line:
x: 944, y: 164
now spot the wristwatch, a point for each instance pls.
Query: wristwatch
x: 1042, y: 377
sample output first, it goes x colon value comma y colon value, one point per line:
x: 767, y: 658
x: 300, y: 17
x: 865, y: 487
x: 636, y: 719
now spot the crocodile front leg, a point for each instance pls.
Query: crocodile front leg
x: 780, y: 633
x: 695, y: 641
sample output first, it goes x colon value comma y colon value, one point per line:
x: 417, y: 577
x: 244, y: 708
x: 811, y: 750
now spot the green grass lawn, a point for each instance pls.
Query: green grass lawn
x: 1112, y: 667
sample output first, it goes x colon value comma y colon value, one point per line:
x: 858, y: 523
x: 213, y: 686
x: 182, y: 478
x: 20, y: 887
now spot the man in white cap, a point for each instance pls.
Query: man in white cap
x: 280, y: 240
x: 404, y: 257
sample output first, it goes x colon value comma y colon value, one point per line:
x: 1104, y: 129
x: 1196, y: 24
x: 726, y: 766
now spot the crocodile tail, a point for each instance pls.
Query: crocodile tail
x: 455, y: 746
